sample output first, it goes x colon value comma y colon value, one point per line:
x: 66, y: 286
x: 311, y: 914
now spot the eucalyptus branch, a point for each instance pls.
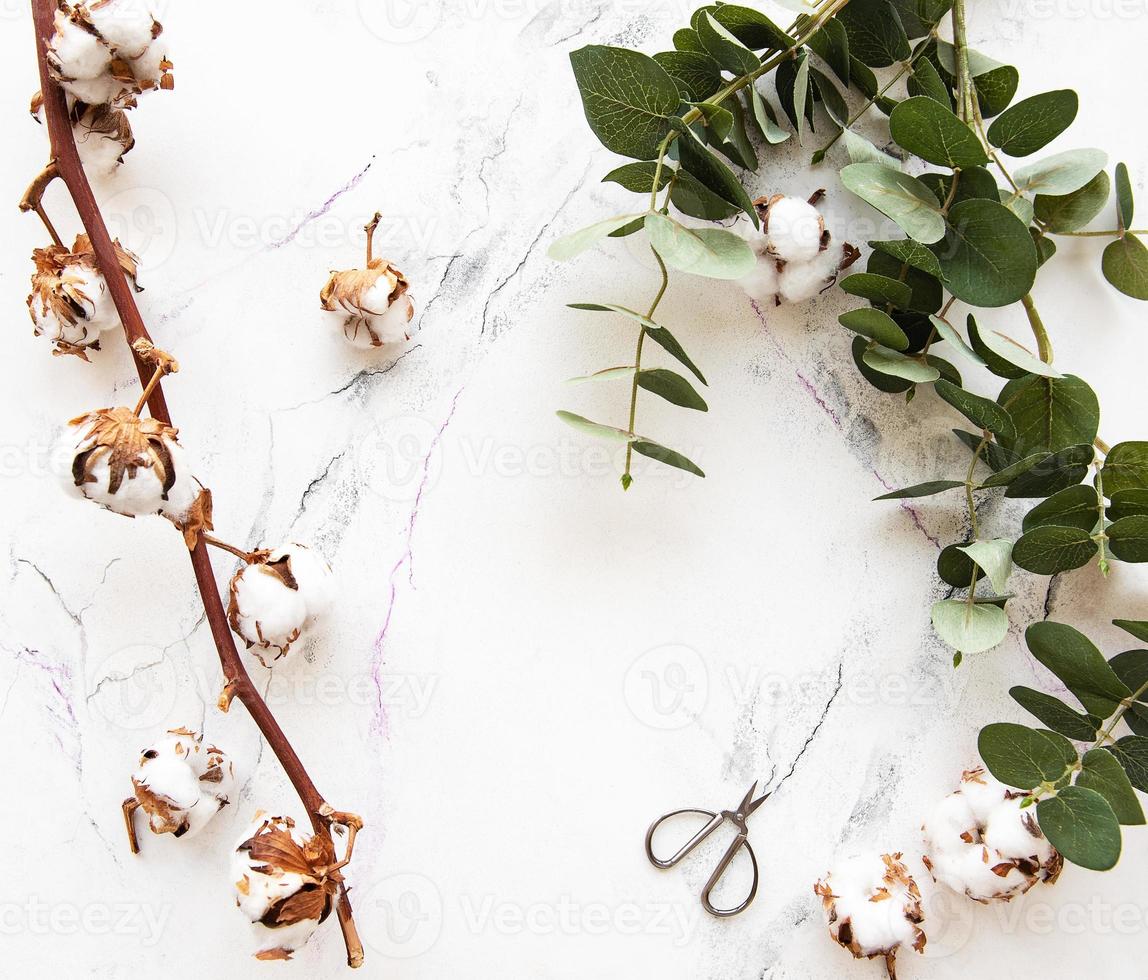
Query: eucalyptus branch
x: 627, y: 479
x: 1043, y: 343
x: 67, y: 166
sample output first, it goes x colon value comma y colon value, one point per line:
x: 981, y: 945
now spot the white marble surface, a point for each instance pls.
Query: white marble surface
x: 526, y: 666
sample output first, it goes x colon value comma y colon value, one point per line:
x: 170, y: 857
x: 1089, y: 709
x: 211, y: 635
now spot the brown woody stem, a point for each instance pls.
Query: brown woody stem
x: 224, y: 546
x: 369, y: 228
x: 131, y: 804
x: 66, y: 162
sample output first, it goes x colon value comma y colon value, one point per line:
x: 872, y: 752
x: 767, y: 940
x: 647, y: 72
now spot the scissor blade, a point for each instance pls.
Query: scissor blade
x: 744, y: 806
x: 756, y: 803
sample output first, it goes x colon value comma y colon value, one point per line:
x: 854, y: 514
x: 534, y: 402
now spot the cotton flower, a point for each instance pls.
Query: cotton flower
x: 136, y: 466
x: 981, y: 843
x: 285, y: 883
x: 276, y: 595
x: 797, y: 256
x: 873, y: 906
x: 373, y: 305
x: 105, y: 51
x: 103, y: 135
x: 70, y: 303
x: 181, y: 784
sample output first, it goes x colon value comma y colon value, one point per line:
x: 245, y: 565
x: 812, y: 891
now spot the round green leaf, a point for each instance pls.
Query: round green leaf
x: 1128, y: 538
x: 627, y: 96
x: 912, y: 254
x: 1033, y: 122
x: 712, y: 252
x: 969, y: 627
x: 882, y: 382
x: 1069, y: 212
x: 878, y: 289
x: 1050, y: 549
x: 931, y: 131
x: 1024, y: 757
x: 1127, y: 503
x: 697, y: 75
x: 1080, y: 824
x: 1061, y: 173
x: 1100, y: 771
x: 876, y: 36
x: 900, y: 197
x: 1131, y: 752
x: 1125, y: 265
x: 1050, y: 413
x: 1052, y: 473
x: 988, y: 255
x: 890, y: 362
x: 1004, y: 356
x: 925, y: 292
x: 955, y: 568
x: 1126, y: 467
x: 1073, y: 507
x: 1124, y: 204
x: 876, y: 324
x: 995, y: 89
x: 724, y: 47
x: 994, y: 557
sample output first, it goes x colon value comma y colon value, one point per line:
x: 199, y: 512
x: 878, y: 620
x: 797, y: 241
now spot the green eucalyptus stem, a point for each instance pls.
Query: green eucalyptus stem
x: 1106, y: 733
x: 905, y: 66
x: 1043, y: 343
x: 737, y: 84
x: 964, y: 78
x: 627, y: 479
x: 1102, y: 234
x: 969, y: 493
x: 1100, y: 537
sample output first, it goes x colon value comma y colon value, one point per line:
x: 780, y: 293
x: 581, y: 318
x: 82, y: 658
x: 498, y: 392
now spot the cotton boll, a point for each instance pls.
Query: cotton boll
x: 75, y: 53
x: 872, y: 905
x: 103, y: 135
x: 373, y: 305
x: 284, y: 884
x: 798, y: 282
x: 794, y: 228
x: 135, y: 466
x: 762, y: 284
x: 125, y: 25
x: 797, y: 257
x: 981, y: 843
x: 279, y: 592
x: 181, y: 784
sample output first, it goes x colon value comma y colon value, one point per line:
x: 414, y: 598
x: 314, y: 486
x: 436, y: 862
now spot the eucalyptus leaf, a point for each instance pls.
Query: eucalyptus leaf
x: 860, y: 150
x: 1080, y: 824
x: 1034, y: 122
x: 979, y: 64
x: 1100, y: 771
x: 994, y: 558
x: 877, y: 325
x: 712, y: 252
x: 569, y: 246
x: 1050, y: 414
x: 1051, y: 549
x: 831, y: 45
x: 1125, y: 265
x: 876, y: 35
x: 1061, y: 173
x: 1137, y: 627
x: 996, y: 348
x: 725, y: 48
x: 1004, y: 476
x: 718, y: 120
x: 982, y: 412
x: 1070, y: 212
x: 1071, y: 507
x: 607, y: 374
x: 1124, y: 204
x: 926, y: 291
x: 687, y: 39
x: 714, y: 174
x: 1128, y: 538
x: 913, y: 253
x: 627, y: 97
x: 698, y: 76
x: 1072, y: 657
x: 988, y: 256
x: 995, y: 89
x: 957, y: 569
x: 1025, y: 757
x: 1053, y: 473
x: 922, y: 489
x: 660, y: 335
x: 766, y: 121
x: 882, y: 382
x: 672, y: 387
x: 607, y: 432
x: 900, y: 197
x: 878, y: 289
x: 668, y: 456
x: 1055, y: 714
x: 1126, y: 467
x: 831, y: 99
x: 890, y: 362
x: 969, y: 627
x: 1131, y: 752
x: 1127, y: 503
x: 948, y: 333
x: 926, y: 80
x: 931, y: 131
x: 800, y: 94
x: 751, y: 27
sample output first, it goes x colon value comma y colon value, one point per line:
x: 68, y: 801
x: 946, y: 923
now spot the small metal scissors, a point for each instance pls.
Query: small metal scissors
x: 738, y: 818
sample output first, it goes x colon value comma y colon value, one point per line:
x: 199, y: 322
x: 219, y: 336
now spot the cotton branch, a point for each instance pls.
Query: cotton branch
x: 65, y: 165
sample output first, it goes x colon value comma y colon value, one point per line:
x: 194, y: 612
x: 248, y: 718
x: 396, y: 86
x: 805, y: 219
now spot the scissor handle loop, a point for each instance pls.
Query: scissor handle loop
x: 731, y: 851
x: 715, y: 821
